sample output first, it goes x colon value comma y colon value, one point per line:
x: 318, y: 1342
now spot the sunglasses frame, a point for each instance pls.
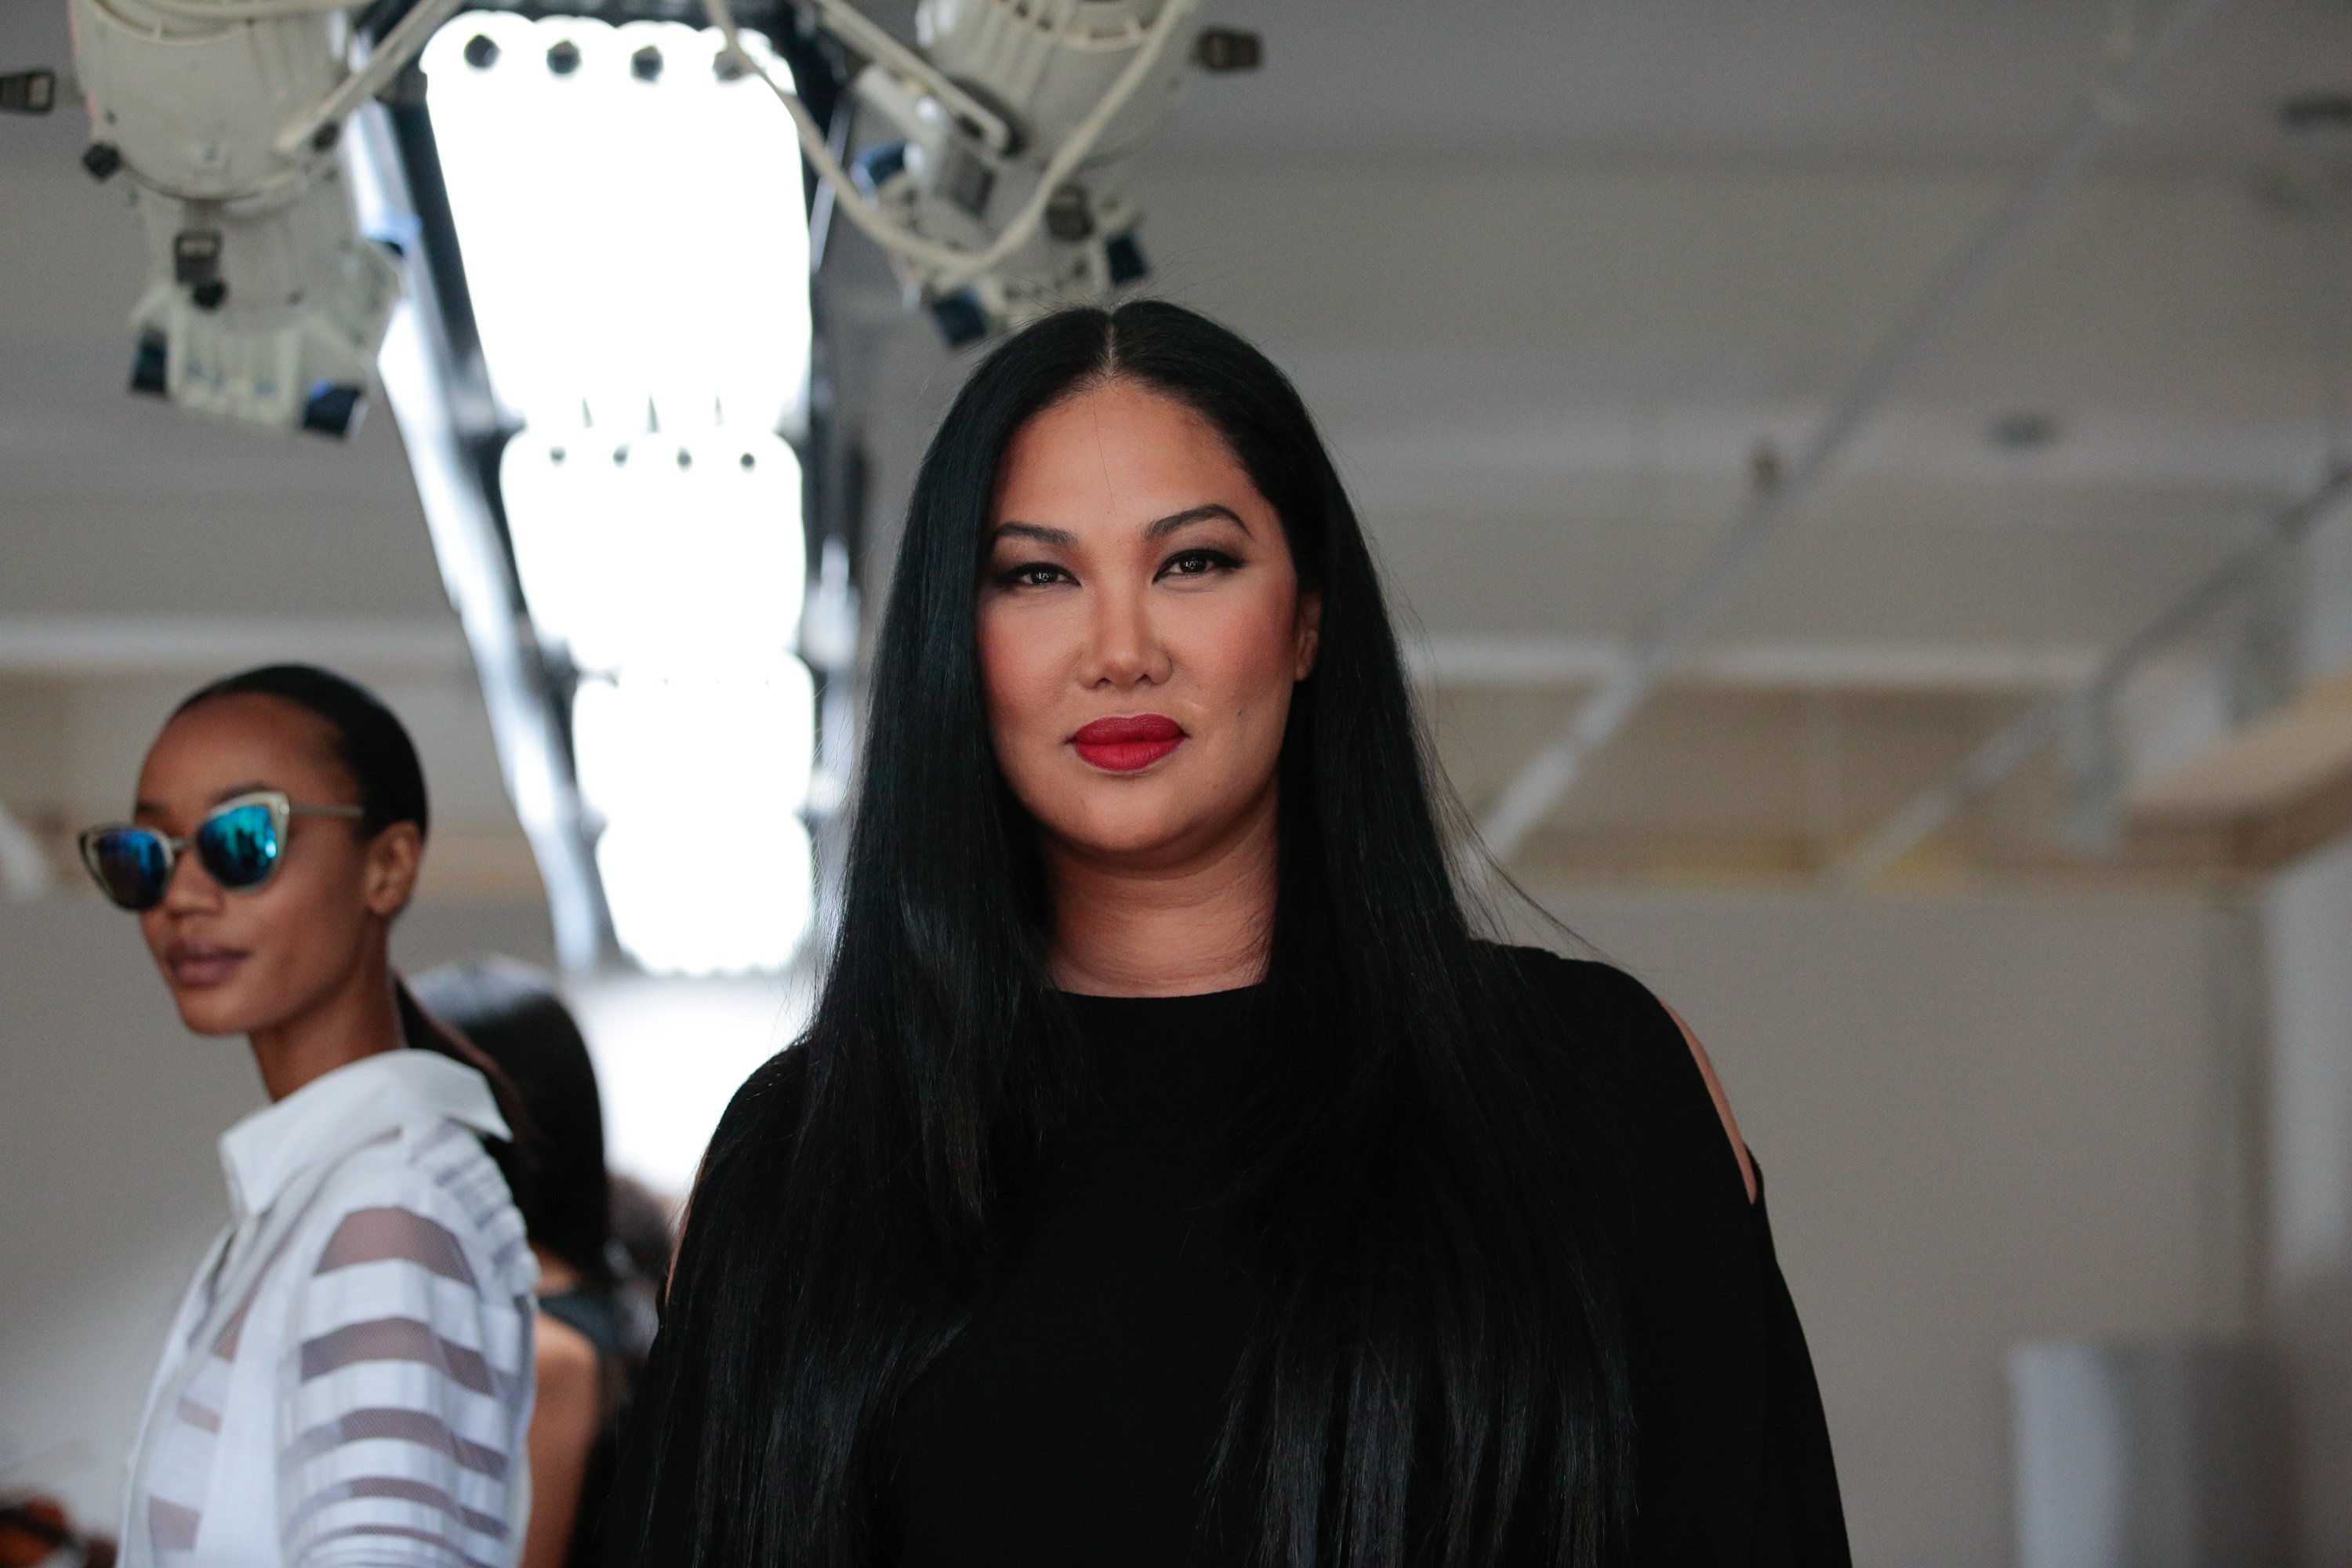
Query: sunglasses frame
x: 282, y: 811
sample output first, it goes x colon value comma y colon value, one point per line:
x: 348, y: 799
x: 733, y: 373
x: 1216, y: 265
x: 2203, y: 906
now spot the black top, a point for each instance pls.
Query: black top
x: 1073, y: 1422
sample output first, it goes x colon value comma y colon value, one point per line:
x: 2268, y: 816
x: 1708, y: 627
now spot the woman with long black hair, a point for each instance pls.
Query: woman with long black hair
x: 1169, y: 1174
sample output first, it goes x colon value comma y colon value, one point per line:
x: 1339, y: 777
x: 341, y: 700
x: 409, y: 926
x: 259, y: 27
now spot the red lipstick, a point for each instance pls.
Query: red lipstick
x: 1124, y: 745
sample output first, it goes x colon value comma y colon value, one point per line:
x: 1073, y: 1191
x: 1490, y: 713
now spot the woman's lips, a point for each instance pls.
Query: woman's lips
x: 1126, y: 744
x: 201, y: 963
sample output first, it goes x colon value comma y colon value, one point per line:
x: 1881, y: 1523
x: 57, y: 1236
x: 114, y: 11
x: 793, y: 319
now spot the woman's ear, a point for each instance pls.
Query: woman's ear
x: 1306, y: 634
x: 393, y: 858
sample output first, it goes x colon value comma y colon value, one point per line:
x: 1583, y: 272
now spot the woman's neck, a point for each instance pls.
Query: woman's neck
x: 1180, y: 930
x: 357, y: 1018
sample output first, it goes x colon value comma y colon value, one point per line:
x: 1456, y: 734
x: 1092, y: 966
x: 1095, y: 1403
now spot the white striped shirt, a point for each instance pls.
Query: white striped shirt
x: 348, y: 1383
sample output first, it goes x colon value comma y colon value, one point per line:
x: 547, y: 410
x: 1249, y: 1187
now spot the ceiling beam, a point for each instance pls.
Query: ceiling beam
x: 1687, y: 613
x: 72, y: 645
x: 1798, y: 664
x: 1926, y: 813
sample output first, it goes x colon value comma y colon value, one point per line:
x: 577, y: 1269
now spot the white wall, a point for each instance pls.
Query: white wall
x: 110, y: 1182
x: 2307, y: 918
x: 1982, y: 1120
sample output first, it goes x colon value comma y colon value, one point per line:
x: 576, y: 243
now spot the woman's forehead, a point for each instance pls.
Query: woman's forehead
x: 1115, y: 450
x: 244, y: 740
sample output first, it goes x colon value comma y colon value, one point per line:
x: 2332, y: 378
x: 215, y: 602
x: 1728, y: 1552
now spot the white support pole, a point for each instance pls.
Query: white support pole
x: 874, y: 41
x: 403, y: 44
x: 24, y: 869
x: 416, y: 375
x: 1926, y: 814
x: 1548, y: 776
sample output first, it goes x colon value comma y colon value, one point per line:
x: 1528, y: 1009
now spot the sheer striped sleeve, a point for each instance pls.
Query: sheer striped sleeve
x: 407, y: 1379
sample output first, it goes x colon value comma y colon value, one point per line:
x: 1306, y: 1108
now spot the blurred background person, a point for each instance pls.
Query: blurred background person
x: 595, y: 1297
x: 36, y: 1532
x: 348, y: 1375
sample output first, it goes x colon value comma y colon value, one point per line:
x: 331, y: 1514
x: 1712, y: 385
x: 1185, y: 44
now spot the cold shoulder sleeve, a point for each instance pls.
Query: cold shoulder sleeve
x: 1732, y: 1448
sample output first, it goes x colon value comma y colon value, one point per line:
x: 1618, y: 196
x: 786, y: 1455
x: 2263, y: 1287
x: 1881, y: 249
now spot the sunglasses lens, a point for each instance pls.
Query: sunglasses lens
x: 239, y: 847
x: 131, y: 866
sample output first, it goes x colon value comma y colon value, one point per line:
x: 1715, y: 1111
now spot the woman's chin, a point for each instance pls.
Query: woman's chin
x: 1141, y: 841
x: 211, y: 1012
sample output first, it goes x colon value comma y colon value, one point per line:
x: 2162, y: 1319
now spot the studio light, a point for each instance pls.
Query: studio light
x: 629, y: 209
x: 574, y: 251
x: 224, y: 120
x: 1003, y: 195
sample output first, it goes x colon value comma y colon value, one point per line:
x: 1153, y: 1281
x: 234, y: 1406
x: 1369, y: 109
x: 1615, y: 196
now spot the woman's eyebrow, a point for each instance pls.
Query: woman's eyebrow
x: 157, y: 808
x: 1060, y: 537
x: 1174, y: 521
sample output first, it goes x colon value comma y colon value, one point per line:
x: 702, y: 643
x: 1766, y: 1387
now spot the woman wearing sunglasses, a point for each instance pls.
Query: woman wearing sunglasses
x: 348, y: 1377
x: 1169, y: 1174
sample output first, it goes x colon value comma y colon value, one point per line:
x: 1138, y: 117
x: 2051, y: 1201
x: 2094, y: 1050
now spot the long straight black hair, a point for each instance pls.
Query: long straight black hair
x: 1433, y: 1372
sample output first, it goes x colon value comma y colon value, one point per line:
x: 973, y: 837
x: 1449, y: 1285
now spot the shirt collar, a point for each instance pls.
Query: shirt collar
x: 339, y: 1111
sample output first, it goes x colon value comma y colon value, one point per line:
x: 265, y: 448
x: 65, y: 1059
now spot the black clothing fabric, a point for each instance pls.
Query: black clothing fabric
x: 1075, y: 1421
x: 596, y: 1315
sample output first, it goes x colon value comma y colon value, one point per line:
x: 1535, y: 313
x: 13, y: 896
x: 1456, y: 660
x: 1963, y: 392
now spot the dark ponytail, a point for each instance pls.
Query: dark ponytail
x: 518, y: 1160
x: 374, y: 747
x: 514, y: 1014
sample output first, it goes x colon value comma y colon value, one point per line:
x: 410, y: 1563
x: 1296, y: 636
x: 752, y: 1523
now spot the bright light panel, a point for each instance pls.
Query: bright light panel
x: 661, y: 1099
x: 695, y: 896
x: 636, y: 251
x: 657, y: 546
x: 624, y: 239
x: 751, y: 729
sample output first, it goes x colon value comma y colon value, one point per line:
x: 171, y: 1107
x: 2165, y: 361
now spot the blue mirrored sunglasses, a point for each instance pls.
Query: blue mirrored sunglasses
x: 238, y: 843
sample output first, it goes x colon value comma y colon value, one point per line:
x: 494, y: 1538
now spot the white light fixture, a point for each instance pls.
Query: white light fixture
x: 633, y: 544
x: 225, y: 118
x: 631, y: 222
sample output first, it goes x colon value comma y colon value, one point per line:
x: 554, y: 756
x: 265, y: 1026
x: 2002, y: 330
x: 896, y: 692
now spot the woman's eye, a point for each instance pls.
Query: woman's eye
x: 1196, y: 564
x: 1035, y: 574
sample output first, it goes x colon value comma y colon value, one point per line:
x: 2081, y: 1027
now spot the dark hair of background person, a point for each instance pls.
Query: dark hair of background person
x: 642, y: 1229
x: 1434, y: 1369
x: 374, y: 747
x: 516, y: 1015
x: 513, y: 1015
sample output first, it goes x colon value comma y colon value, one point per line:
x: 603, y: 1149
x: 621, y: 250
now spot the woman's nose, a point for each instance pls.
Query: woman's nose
x: 1126, y: 652
x: 190, y: 887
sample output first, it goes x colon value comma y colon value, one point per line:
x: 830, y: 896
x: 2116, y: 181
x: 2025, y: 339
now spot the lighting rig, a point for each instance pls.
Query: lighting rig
x: 573, y: 243
x: 1000, y: 192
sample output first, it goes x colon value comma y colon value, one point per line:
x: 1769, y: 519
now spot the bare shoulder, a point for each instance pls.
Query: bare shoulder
x: 1722, y: 1101
x: 564, y: 1421
x: 566, y: 1365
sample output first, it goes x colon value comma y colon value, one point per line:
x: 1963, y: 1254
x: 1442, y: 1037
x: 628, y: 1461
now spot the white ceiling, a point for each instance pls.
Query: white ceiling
x: 1892, y: 83
x: 1549, y: 271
